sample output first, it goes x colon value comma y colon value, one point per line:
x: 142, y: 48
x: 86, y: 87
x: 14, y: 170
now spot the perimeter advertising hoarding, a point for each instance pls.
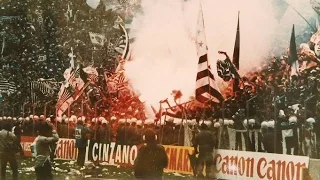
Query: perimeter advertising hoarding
x: 228, y: 164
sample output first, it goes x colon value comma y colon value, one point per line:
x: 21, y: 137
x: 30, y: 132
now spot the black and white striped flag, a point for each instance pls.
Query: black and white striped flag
x: 7, y: 87
x: 46, y: 87
x: 206, y: 87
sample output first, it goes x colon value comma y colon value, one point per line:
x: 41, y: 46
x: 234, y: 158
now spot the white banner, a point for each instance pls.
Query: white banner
x: 252, y: 165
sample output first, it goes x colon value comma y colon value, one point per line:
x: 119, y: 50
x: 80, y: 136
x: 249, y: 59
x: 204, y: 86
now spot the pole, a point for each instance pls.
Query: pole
x: 23, y: 108
x: 69, y: 106
x: 13, y: 111
x: 45, y: 108
x: 222, y: 125
x: 33, y: 113
x: 275, y: 101
x: 96, y: 116
x: 248, y: 116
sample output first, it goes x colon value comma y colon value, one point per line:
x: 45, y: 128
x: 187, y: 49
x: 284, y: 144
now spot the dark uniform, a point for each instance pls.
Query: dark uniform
x: 205, y: 140
x: 151, y: 158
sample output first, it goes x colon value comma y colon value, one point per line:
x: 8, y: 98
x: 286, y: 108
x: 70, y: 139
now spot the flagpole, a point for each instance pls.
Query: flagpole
x: 301, y: 16
x: 204, y: 34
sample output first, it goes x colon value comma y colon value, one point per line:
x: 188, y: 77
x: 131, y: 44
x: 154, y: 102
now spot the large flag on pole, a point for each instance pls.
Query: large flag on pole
x: 206, y: 87
x: 236, y: 56
x: 293, y: 57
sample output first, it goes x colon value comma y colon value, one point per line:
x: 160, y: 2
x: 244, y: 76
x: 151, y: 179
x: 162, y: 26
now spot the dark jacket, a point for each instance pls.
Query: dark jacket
x: 150, y: 162
x: 205, y: 140
x: 81, y: 136
x: 8, y: 142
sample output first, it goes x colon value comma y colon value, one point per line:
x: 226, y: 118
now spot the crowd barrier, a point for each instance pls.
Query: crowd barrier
x: 230, y: 164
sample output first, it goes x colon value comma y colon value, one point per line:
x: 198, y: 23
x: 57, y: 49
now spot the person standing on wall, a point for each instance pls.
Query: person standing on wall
x: 151, y: 158
x: 205, y: 140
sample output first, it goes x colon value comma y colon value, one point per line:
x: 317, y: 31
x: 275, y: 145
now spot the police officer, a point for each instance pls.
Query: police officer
x: 151, y: 158
x: 81, y: 136
x: 205, y: 141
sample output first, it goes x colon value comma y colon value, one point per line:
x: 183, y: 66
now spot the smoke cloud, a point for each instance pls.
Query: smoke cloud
x: 164, y: 53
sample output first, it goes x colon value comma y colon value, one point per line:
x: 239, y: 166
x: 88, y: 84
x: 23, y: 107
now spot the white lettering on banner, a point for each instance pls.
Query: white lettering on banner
x: 120, y: 154
x: 66, y: 149
x: 251, y: 165
x: 26, y: 146
x: 112, y: 145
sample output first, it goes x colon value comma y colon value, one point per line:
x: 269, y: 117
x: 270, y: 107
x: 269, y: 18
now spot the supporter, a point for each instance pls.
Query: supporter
x: 204, y: 144
x: 42, y: 150
x: 81, y: 136
x: 120, y: 138
x: 151, y: 158
x: 9, y: 146
x: 17, y: 130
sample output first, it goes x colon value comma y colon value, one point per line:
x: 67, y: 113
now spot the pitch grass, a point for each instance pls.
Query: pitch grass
x: 65, y: 170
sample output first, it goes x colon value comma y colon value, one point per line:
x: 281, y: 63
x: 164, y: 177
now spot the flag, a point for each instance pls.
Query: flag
x: 293, y: 57
x: 97, y: 39
x: 280, y: 8
x: 206, y: 87
x: 7, y: 87
x: 92, y: 74
x: 65, y: 98
x: 236, y: 58
x: 83, y: 75
x: 226, y: 69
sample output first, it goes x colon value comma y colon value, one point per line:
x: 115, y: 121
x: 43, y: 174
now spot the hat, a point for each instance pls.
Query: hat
x: 139, y: 123
x: 59, y: 119
x: 271, y: 124
x: 177, y: 121
x: 73, y: 118
x: 104, y: 121
x: 231, y: 122
x: 31, y: 116
x: 113, y: 118
x: 121, y: 121
x: 226, y: 122
x: 101, y: 119
x: 48, y: 119
x: 14, y: 118
x: 9, y: 118
x: 94, y: 120
x: 66, y: 120
x: 42, y: 116
x: 264, y: 125
x: 36, y: 117
x: 208, y: 123
x: 293, y: 119
x: 83, y: 118
x: 133, y: 120
x: 20, y: 118
x: 281, y: 113
x: 311, y: 120
x: 216, y: 124
x: 252, y: 121
x: 170, y: 119
x: 27, y: 119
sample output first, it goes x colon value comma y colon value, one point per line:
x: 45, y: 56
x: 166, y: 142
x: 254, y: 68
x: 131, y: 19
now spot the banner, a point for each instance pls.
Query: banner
x: 113, y: 154
x: 26, y: 142
x: 65, y: 148
x: 228, y: 164
x: 250, y: 165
